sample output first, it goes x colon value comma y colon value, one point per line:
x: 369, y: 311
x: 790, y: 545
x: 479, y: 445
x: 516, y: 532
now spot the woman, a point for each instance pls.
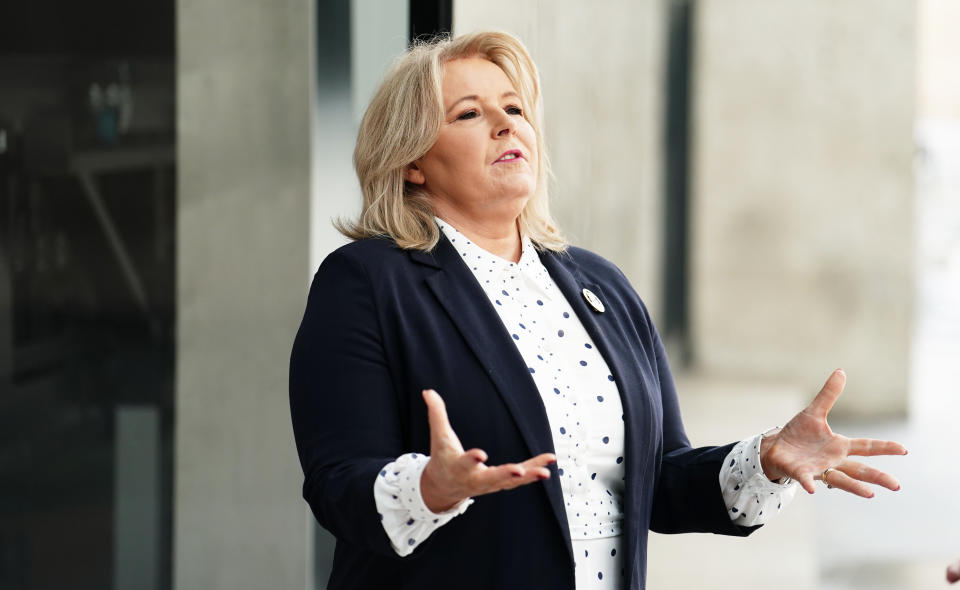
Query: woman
x: 459, y: 318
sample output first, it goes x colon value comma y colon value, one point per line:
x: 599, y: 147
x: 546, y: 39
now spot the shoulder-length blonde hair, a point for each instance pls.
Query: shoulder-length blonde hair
x: 402, y: 123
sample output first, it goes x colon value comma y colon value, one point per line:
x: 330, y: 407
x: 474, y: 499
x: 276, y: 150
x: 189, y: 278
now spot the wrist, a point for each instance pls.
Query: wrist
x: 433, y: 497
x: 768, y: 440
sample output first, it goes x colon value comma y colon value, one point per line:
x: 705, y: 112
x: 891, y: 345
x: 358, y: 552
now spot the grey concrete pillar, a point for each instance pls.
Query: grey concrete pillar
x: 245, y: 72
x: 803, y: 196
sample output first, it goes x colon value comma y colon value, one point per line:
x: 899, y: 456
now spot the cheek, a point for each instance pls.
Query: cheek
x: 529, y: 139
x: 454, y: 153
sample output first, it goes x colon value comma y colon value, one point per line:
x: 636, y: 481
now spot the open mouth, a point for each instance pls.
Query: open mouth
x: 509, y: 156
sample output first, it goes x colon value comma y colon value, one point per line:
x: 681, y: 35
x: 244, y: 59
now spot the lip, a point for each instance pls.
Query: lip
x: 500, y: 159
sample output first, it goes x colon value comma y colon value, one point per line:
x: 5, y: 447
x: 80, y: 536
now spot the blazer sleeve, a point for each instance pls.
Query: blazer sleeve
x: 687, y: 495
x: 343, y: 403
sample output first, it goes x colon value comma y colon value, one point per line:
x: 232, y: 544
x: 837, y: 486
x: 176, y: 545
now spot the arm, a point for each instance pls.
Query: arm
x: 346, y: 419
x: 687, y: 497
x: 348, y: 425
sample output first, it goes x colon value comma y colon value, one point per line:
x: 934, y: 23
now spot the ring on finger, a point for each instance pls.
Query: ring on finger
x: 823, y: 477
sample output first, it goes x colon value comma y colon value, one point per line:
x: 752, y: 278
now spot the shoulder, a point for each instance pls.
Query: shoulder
x: 369, y: 256
x: 592, y: 269
x: 367, y: 250
x: 590, y: 265
x: 373, y: 268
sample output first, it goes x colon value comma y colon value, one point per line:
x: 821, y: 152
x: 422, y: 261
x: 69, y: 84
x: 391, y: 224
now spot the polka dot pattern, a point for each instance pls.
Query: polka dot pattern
x: 583, y: 404
x: 587, y: 421
x: 751, y: 498
x: 599, y: 565
x: 405, y: 518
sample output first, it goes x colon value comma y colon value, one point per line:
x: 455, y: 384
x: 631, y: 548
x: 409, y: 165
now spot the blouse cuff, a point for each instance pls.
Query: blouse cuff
x: 751, y: 498
x: 405, y: 517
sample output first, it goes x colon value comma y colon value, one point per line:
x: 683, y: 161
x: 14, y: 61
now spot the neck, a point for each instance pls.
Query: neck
x: 500, y: 239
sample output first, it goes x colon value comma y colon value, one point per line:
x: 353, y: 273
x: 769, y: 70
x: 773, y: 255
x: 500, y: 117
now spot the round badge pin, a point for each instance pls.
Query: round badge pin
x: 593, y: 300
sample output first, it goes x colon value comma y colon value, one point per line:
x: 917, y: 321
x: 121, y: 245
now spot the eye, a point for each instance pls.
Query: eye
x: 467, y: 115
x: 514, y: 110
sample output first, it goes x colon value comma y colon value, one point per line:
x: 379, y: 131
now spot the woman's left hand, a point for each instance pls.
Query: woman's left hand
x: 806, y: 448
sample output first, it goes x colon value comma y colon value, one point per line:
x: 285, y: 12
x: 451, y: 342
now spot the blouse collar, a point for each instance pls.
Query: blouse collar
x: 491, y: 271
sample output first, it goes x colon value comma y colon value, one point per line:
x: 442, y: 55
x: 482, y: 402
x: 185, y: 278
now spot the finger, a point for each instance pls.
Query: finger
x: 441, y: 433
x: 840, y: 480
x: 869, y: 474
x: 869, y: 447
x: 953, y: 572
x: 500, y: 477
x: 540, y: 461
x: 821, y: 405
x: 511, y: 475
x: 537, y: 466
x: 807, y: 482
x: 478, y: 455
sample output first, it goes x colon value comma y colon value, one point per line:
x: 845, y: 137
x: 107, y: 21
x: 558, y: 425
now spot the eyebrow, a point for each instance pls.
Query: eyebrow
x: 475, y: 97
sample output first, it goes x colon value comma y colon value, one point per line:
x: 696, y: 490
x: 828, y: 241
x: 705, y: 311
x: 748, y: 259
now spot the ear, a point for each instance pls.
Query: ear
x: 413, y: 174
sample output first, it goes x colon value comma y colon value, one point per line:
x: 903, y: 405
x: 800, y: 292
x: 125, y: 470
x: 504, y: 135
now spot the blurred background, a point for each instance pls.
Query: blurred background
x: 780, y: 180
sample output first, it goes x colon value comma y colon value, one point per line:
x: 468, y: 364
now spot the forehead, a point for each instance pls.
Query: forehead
x: 473, y: 76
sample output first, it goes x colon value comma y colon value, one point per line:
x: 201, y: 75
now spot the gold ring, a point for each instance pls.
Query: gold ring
x: 823, y: 477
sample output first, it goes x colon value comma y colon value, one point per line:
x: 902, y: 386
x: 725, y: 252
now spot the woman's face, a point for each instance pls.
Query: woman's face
x: 483, y: 165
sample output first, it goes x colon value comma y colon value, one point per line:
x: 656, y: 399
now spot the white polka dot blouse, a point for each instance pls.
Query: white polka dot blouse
x: 586, y: 419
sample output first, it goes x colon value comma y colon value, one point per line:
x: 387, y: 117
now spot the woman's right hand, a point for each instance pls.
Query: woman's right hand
x: 453, y: 475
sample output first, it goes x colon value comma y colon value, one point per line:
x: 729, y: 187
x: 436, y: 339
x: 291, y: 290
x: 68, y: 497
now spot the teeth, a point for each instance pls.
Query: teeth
x: 510, y: 157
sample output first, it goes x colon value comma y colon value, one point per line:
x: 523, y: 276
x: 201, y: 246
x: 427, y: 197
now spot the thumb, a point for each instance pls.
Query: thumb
x: 823, y: 403
x: 441, y: 433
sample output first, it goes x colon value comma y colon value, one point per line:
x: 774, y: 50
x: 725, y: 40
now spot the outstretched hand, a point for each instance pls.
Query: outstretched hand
x: 453, y: 475
x: 806, y: 448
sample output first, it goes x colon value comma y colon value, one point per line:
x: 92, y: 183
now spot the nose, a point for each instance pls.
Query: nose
x: 504, y: 126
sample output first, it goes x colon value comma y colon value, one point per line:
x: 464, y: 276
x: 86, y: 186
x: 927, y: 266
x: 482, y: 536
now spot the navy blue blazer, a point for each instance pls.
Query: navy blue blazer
x: 382, y: 324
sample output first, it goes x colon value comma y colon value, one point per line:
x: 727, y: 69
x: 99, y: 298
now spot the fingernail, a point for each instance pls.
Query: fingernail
x: 896, y: 489
x: 542, y: 476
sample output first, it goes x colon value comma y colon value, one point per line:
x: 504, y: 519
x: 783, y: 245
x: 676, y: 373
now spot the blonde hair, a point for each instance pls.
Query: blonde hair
x: 402, y: 123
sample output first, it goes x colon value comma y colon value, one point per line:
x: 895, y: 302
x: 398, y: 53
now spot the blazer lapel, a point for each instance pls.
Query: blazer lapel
x: 467, y: 305
x: 603, y: 328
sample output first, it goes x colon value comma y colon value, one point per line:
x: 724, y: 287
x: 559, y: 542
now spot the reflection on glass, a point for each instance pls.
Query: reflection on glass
x: 86, y: 295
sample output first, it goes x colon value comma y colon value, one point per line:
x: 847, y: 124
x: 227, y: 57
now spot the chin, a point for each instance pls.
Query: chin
x: 520, y: 190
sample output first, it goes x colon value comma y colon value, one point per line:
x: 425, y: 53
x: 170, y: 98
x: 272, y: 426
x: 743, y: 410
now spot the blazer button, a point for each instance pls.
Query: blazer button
x: 593, y: 300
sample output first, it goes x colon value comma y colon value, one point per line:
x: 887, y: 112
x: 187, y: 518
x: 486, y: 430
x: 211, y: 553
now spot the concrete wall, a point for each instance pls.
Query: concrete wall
x: 938, y: 46
x: 803, y: 206
x: 601, y: 65
x: 244, y: 76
